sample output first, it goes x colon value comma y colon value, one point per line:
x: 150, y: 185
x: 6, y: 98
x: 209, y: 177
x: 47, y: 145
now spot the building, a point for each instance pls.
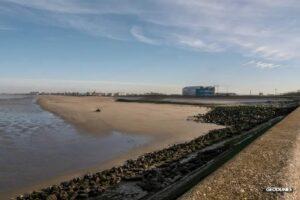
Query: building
x: 199, y: 91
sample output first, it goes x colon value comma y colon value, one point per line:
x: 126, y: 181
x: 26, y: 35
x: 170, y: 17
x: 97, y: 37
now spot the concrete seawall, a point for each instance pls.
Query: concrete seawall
x: 271, y: 160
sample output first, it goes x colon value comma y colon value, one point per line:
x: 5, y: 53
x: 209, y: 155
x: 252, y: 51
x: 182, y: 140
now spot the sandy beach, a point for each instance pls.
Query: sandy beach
x: 165, y: 124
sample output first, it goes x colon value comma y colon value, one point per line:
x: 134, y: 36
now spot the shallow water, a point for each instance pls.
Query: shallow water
x: 36, y: 145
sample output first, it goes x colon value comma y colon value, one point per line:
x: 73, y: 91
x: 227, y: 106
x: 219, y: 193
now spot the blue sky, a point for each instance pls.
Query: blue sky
x: 149, y: 45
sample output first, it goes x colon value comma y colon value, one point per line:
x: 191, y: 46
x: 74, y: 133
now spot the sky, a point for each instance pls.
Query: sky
x: 149, y: 45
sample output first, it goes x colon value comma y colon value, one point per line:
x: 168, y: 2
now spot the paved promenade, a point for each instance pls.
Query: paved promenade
x: 271, y: 160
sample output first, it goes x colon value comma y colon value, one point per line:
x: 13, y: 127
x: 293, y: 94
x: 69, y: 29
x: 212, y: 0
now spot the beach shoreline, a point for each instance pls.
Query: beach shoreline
x: 153, y: 171
x: 164, y: 124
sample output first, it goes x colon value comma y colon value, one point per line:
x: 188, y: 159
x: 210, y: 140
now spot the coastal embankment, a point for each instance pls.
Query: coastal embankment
x: 270, y: 161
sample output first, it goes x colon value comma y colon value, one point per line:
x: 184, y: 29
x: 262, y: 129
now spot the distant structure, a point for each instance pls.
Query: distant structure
x: 226, y: 94
x: 199, y: 91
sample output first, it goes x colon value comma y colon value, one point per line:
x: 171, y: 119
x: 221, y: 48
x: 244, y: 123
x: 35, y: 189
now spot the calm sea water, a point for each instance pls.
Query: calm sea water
x: 36, y: 145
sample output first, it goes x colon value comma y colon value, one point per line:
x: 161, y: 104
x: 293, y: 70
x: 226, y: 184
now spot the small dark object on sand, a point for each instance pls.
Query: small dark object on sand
x: 98, y: 110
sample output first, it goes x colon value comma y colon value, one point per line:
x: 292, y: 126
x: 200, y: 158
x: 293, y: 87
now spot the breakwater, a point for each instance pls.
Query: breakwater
x: 207, y: 101
x: 152, y: 172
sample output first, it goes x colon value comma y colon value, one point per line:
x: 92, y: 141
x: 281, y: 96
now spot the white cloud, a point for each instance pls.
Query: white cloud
x: 75, y: 6
x: 60, y: 6
x: 138, y: 34
x: 196, y: 43
x: 273, y: 53
x: 260, y: 29
x: 262, y: 65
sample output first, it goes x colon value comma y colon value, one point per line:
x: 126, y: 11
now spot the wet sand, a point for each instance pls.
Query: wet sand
x: 165, y: 124
x: 271, y: 160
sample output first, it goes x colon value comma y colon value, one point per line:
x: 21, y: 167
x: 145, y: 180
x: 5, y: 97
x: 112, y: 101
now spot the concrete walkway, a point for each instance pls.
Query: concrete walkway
x: 271, y: 160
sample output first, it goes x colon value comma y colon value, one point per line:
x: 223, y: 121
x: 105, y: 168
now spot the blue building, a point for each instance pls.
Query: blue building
x: 199, y: 91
